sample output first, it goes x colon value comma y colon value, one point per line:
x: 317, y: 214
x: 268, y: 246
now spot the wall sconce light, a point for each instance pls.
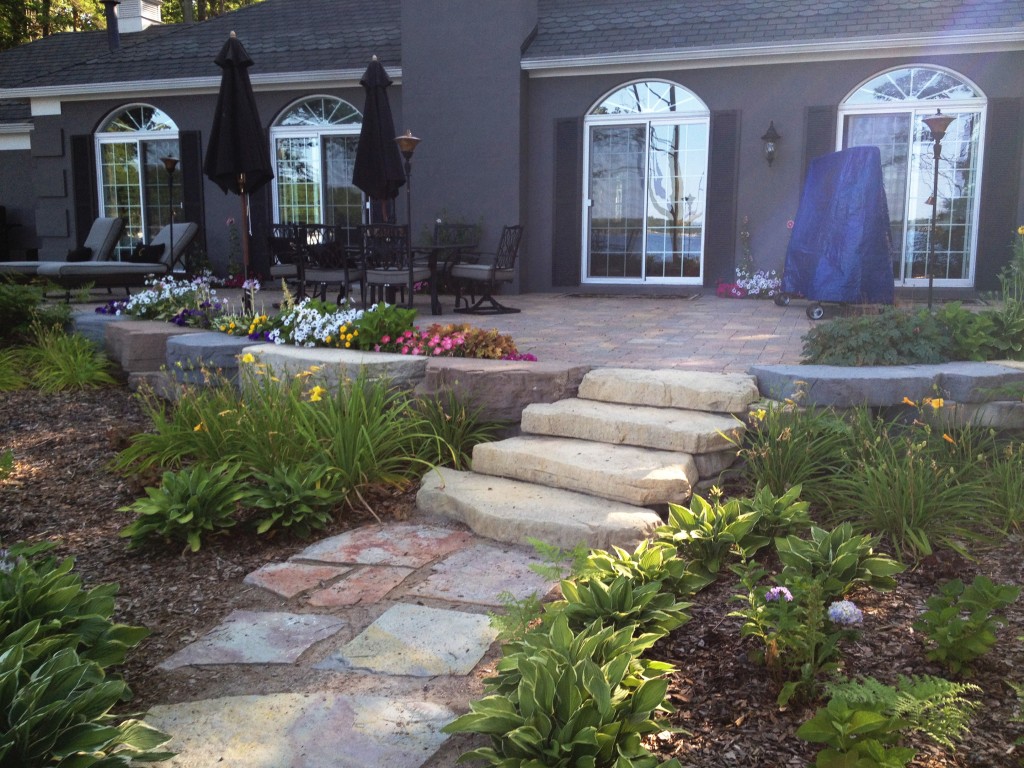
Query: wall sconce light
x: 771, y: 139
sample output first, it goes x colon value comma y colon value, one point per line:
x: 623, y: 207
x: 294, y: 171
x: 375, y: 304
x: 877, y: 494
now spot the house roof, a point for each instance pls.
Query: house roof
x: 281, y: 36
x: 571, y: 29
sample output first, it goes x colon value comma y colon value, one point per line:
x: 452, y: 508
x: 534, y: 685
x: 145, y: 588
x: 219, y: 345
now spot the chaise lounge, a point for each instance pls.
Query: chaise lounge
x: 98, y: 246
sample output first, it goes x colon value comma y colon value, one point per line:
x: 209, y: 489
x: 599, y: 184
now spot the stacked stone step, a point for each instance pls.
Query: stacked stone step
x: 591, y: 468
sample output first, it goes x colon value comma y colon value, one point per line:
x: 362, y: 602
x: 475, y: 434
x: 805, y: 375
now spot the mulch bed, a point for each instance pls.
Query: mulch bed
x: 63, y: 490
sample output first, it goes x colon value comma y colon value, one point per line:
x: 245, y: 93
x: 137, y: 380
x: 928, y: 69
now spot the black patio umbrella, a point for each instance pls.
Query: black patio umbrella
x: 237, y: 158
x: 378, y: 167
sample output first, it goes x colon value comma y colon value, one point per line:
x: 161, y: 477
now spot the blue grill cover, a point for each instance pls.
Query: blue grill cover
x: 840, y: 247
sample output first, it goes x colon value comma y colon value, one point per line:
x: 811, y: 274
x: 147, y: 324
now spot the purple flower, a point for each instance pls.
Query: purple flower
x: 775, y: 594
x: 845, y: 612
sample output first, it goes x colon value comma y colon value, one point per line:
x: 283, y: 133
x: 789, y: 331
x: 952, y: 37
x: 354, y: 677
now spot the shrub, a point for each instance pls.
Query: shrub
x: 459, y: 427
x: 961, y: 622
x: 188, y: 504
x: 22, y: 306
x: 893, y: 337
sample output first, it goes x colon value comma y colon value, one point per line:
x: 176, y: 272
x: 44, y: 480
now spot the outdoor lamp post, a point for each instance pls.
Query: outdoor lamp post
x: 407, y: 145
x: 170, y: 164
x: 771, y: 139
x: 937, y: 124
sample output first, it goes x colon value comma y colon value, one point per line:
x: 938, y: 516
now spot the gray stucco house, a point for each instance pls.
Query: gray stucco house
x: 625, y: 135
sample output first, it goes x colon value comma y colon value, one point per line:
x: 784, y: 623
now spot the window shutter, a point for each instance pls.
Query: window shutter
x: 192, y: 205
x: 723, y: 178
x: 1000, y: 193
x: 83, y: 180
x: 820, y: 130
x: 568, y: 204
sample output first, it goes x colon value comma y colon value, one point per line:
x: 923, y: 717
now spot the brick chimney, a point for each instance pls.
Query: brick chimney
x: 136, y: 15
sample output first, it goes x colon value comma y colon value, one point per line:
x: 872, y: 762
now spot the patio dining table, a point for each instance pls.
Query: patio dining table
x: 439, y: 260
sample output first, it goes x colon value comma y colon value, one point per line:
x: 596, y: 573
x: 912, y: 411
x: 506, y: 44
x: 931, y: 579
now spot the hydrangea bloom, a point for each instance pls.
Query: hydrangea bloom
x: 776, y: 594
x: 845, y: 612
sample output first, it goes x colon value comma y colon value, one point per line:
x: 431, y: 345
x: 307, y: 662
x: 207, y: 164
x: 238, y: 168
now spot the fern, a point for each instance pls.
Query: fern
x: 933, y: 706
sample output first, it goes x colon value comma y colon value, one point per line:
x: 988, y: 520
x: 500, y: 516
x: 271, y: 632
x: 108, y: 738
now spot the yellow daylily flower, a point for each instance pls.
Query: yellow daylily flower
x: 316, y: 393
x: 199, y: 427
x: 948, y: 439
x: 934, y: 402
x: 1020, y: 231
x: 908, y: 401
x: 248, y: 357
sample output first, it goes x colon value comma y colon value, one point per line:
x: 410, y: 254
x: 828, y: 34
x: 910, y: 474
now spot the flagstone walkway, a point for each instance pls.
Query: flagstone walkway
x: 376, y: 638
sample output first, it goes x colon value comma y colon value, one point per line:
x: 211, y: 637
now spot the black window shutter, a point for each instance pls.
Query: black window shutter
x: 723, y: 178
x: 820, y: 130
x: 568, y: 203
x: 190, y: 145
x: 83, y: 184
x: 1000, y: 193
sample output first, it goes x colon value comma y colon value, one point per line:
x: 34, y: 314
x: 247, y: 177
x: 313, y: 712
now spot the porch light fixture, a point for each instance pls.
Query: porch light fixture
x: 407, y: 145
x: 771, y: 139
x: 937, y: 125
x: 170, y: 165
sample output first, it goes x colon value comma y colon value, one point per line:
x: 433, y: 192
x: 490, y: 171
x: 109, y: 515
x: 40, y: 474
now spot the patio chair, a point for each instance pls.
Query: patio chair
x: 98, y: 246
x: 329, y: 260
x: 287, y: 258
x: 386, y: 263
x: 124, y: 274
x: 488, y: 271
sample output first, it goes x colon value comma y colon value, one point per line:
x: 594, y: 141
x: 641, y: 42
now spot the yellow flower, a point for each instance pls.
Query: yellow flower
x: 248, y: 357
x: 316, y: 394
x: 328, y: 339
x: 934, y: 402
x: 348, y: 344
x: 908, y: 401
x: 355, y: 332
x: 314, y: 368
x: 1020, y: 231
x: 225, y: 413
x: 948, y: 439
x: 760, y: 413
x: 199, y: 427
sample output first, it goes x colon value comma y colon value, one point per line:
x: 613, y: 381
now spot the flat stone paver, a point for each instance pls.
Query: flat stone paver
x: 406, y: 544
x: 256, y: 637
x: 366, y: 585
x: 290, y: 579
x: 302, y: 730
x: 418, y: 641
x: 480, y: 573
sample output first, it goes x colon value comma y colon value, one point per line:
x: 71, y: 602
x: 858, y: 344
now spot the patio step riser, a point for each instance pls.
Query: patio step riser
x: 515, y: 512
x: 638, y: 476
x: 666, y: 429
x: 688, y: 390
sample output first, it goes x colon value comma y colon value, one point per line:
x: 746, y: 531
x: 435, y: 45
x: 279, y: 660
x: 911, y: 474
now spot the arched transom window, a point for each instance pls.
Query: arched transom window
x: 132, y: 179
x: 314, y: 147
x: 645, y: 185
x: 886, y: 112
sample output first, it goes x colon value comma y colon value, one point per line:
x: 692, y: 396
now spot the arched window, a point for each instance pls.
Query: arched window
x: 314, y: 146
x: 886, y: 112
x: 646, y: 162
x: 132, y: 180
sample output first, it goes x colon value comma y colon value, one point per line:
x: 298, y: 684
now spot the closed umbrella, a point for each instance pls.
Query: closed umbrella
x: 237, y: 158
x: 378, y: 167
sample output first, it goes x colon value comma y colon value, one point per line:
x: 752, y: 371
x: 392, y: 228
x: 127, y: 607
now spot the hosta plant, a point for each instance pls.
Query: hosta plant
x: 572, y: 706
x: 57, y: 713
x: 187, y: 505
x: 650, y: 561
x: 778, y: 515
x: 960, y: 622
x: 708, y: 532
x: 838, y: 559
x: 619, y: 602
x: 297, y: 498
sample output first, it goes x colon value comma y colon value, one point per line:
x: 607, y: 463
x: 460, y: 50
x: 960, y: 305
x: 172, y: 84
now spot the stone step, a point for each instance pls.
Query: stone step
x: 513, y: 511
x: 667, y: 388
x: 666, y: 429
x: 624, y: 473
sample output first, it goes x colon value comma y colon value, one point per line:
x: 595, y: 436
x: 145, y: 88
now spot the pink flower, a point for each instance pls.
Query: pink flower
x: 385, y: 339
x: 405, y: 350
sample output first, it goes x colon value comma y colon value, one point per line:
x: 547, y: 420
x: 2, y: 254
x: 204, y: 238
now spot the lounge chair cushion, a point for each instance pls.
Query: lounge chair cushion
x: 103, y: 236
x: 80, y: 254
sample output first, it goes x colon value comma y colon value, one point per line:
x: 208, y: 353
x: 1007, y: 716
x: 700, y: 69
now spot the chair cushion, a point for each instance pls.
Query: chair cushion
x: 278, y: 271
x: 8, y: 268
x: 84, y: 253
x: 98, y: 268
x: 317, y: 275
x: 472, y: 271
x: 103, y: 236
x: 184, y: 232
x: 396, y: 276
x: 147, y: 254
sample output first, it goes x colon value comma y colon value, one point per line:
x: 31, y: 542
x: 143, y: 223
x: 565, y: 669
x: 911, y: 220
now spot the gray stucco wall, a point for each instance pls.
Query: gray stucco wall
x: 17, y: 195
x: 463, y: 93
x: 769, y: 196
